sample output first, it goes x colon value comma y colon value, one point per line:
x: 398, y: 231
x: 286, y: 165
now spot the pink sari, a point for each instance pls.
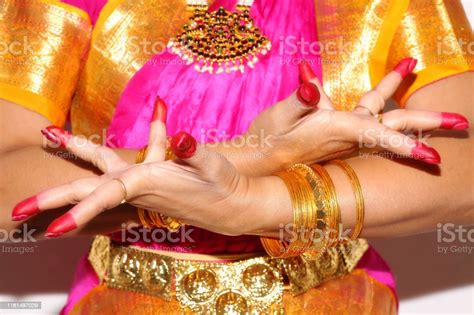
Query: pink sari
x: 214, y: 108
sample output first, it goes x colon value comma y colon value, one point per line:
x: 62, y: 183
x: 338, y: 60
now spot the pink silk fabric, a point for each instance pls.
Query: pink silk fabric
x: 92, y: 7
x: 215, y: 108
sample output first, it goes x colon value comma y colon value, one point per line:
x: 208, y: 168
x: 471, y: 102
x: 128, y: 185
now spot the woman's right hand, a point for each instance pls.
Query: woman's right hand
x: 305, y: 128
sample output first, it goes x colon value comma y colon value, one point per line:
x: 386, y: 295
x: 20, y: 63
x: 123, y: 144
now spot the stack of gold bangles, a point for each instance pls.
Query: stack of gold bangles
x: 153, y: 219
x: 316, y: 214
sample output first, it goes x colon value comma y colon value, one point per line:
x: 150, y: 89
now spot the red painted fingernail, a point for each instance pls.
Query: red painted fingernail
x: 306, y: 72
x: 25, y: 209
x: 56, y: 135
x: 183, y: 145
x: 405, y: 66
x: 160, y: 111
x: 425, y: 153
x: 61, y: 225
x: 453, y: 121
x: 308, y: 94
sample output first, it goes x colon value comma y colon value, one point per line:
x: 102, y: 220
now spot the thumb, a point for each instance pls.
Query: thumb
x: 211, y: 165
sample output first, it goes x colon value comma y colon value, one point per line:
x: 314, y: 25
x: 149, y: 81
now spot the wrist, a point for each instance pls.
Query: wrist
x: 268, y: 205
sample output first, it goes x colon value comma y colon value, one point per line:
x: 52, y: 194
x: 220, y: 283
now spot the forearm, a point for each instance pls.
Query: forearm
x: 29, y: 170
x: 401, y: 197
x: 408, y: 198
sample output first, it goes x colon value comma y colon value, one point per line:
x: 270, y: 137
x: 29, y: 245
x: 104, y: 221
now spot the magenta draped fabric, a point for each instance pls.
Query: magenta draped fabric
x: 92, y: 7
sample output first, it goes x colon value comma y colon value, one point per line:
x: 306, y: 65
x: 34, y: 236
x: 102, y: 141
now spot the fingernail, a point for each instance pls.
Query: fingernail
x: 306, y: 72
x: 425, y: 153
x: 61, y: 225
x: 454, y: 121
x: 56, y: 135
x: 405, y: 66
x: 183, y: 145
x: 160, y: 111
x: 308, y: 94
x: 25, y: 209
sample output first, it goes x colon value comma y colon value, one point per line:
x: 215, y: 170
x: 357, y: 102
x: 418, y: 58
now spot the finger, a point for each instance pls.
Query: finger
x: 375, y: 134
x: 305, y: 100
x: 157, y: 143
x: 211, y: 165
x: 406, y: 120
x: 101, y: 157
x: 307, y: 75
x: 374, y: 101
x: 106, y: 196
x: 54, y: 198
x: 392, y: 81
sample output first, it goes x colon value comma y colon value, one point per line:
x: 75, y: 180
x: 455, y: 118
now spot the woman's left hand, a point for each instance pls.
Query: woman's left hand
x: 200, y: 188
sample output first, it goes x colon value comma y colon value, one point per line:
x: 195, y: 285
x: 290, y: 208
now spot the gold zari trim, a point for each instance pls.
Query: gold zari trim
x: 46, y: 43
x: 248, y: 284
x: 127, y: 34
x: 357, y: 35
x: 437, y: 33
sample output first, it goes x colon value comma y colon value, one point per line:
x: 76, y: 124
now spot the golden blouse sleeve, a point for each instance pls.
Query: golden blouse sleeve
x: 42, y: 44
x: 439, y: 35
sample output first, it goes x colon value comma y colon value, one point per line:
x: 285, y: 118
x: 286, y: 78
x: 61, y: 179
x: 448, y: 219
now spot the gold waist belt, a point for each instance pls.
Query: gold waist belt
x: 203, y: 285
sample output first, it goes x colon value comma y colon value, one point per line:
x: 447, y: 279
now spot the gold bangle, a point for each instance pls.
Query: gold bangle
x: 320, y: 219
x: 332, y: 206
x: 359, y: 197
x: 304, y: 217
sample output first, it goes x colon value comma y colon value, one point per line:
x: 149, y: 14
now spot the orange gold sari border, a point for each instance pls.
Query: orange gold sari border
x: 43, y: 75
x: 33, y: 102
x: 72, y: 9
x: 107, y: 10
x: 379, y: 55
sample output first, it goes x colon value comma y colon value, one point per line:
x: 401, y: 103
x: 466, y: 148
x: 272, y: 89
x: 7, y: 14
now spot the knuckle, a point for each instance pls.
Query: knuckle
x: 74, y: 191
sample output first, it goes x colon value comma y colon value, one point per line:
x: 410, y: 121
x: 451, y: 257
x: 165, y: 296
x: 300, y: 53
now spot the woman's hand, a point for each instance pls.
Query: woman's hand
x: 103, y: 158
x: 200, y: 188
x: 305, y: 128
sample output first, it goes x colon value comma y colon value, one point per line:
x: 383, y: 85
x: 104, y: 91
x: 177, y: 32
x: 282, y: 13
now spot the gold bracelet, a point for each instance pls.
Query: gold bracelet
x: 152, y: 219
x: 304, y: 217
x: 320, y: 223
x: 331, y: 204
x: 359, y: 197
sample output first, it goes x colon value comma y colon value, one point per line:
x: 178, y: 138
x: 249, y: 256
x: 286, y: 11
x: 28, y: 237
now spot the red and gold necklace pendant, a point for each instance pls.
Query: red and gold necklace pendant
x: 220, y: 41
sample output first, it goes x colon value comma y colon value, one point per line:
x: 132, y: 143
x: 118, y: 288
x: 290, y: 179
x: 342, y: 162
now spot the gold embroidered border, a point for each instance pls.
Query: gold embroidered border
x: 351, y: 32
x: 127, y: 34
x: 42, y: 45
x: 437, y: 33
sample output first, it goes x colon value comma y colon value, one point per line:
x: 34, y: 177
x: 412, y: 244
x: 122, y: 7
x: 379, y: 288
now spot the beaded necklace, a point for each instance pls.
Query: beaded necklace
x: 220, y: 41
